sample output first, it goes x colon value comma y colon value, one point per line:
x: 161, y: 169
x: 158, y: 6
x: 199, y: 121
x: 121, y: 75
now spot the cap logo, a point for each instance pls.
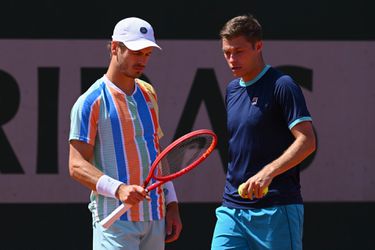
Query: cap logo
x: 143, y: 30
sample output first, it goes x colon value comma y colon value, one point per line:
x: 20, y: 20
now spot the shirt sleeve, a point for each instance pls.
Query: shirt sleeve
x: 154, y: 99
x: 160, y: 131
x: 83, y: 120
x: 290, y: 98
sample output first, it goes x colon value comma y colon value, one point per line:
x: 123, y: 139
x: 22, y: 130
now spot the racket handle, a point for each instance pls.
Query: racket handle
x: 112, y: 217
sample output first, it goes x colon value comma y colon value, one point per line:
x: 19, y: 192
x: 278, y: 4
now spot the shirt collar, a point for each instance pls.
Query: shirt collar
x: 248, y: 83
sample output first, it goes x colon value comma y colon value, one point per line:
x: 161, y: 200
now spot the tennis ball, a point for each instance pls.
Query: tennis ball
x: 241, y: 191
x: 243, y: 195
x: 265, y: 191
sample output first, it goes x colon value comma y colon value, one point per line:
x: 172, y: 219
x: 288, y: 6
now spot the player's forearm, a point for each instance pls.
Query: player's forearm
x: 301, y: 148
x: 85, y: 173
x: 80, y: 167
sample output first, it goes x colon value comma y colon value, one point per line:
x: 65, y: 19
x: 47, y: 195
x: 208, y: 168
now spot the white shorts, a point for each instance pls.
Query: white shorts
x: 127, y: 235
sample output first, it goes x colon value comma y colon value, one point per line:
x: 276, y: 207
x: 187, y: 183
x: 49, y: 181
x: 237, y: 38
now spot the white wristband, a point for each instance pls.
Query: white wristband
x: 169, y: 192
x: 107, y: 186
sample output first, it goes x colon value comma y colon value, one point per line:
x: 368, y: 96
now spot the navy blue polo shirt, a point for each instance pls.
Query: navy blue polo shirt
x: 260, y: 114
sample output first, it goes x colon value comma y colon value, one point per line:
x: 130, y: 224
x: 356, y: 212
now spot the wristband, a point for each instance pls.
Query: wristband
x: 169, y: 192
x: 107, y: 186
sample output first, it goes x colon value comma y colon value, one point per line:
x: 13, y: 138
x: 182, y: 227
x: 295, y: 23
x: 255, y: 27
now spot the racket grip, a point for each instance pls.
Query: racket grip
x: 112, y: 217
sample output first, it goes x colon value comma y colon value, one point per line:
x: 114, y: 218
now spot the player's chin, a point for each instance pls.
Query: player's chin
x: 137, y: 74
x: 236, y: 72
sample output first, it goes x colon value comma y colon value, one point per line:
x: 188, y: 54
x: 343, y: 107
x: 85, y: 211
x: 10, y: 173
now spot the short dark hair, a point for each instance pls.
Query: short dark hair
x: 245, y: 25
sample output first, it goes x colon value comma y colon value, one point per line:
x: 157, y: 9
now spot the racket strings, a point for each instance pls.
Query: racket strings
x: 184, y: 154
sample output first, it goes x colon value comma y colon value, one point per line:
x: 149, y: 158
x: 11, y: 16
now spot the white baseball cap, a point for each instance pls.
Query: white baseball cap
x: 135, y: 33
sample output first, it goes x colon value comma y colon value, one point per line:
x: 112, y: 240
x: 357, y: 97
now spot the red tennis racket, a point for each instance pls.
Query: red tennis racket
x: 177, y: 159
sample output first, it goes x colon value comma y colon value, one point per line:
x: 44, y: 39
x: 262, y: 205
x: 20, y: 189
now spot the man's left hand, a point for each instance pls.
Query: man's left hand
x: 172, y: 222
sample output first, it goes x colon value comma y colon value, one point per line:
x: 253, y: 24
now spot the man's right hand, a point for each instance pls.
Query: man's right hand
x: 131, y: 194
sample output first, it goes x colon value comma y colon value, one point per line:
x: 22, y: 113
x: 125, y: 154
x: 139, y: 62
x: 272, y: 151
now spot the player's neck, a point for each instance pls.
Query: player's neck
x: 126, y: 84
x: 255, y: 71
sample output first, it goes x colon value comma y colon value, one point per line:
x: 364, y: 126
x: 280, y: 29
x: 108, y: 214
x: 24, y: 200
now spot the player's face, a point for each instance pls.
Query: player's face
x: 132, y: 63
x: 242, y: 56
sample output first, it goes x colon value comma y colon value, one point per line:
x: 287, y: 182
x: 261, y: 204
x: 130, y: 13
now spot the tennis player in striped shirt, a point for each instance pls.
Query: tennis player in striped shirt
x: 114, y: 138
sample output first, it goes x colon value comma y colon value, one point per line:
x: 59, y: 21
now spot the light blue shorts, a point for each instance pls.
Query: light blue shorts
x: 273, y: 228
x: 127, y: 235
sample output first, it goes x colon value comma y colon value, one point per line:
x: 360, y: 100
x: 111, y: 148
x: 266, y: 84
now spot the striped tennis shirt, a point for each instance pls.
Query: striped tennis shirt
x: 125, y: 132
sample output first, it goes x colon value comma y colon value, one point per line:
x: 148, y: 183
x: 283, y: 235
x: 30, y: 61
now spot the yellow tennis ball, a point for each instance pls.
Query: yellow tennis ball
x: 265, y: 191
x: 241, y: 191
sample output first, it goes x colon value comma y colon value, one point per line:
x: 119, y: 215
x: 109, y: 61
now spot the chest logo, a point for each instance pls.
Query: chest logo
x: 254, y: 101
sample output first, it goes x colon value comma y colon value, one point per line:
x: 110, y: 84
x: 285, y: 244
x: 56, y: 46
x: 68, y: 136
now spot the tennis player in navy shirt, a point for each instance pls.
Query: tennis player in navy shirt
x: 270, y: 134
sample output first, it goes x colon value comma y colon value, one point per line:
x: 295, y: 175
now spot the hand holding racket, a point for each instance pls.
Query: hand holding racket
x: 177, y: 159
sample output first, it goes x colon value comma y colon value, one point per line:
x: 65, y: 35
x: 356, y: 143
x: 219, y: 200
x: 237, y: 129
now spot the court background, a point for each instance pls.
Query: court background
x: 51, y: 51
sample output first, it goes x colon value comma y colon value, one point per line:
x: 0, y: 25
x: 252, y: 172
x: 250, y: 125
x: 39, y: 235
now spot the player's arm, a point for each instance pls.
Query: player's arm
x: 81, y: 169
x: 173, y: 222
x: 303, y: 145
